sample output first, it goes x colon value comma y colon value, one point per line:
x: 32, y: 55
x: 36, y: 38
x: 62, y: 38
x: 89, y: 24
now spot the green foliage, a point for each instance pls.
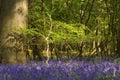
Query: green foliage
x: 62, y: 30
x: 69, y: 32
x: 30, y: 32
x: 117, y: 60
x: 69, y: 21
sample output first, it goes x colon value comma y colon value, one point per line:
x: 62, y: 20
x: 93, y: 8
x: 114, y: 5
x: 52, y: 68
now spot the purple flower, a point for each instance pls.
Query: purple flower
x: 71, y: 70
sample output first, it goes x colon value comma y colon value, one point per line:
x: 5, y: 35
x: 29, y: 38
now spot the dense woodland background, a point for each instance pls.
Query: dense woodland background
x: 59, y: 29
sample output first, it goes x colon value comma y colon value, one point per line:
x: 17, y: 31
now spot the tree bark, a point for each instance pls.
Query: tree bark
x: 118, y: 26
x: 118, y: 37
x: 13, y: 17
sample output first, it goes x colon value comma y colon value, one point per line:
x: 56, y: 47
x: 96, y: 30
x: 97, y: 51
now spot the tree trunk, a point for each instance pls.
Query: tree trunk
x: 13, y: 16
x: 118, y: 28
x: 118, y: 38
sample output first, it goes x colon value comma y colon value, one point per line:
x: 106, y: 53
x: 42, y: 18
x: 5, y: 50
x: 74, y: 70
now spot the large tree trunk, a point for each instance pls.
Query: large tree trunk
x: 13, y: 16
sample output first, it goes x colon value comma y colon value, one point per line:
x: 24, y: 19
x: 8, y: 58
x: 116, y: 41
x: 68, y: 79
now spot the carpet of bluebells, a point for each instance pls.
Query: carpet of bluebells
x: 61, y: 70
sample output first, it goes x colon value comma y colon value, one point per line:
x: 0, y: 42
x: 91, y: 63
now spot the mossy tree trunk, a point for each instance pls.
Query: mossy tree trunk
x: 13, y: 17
